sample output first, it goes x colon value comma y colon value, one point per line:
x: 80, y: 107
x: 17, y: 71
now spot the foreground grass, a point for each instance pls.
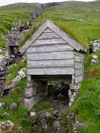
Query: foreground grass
x: 87, y: 105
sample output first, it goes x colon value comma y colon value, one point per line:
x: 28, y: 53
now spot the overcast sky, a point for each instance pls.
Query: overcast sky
x: 6, y: 2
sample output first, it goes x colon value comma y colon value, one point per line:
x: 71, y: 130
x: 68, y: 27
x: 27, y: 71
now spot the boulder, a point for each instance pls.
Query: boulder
x: 13, y: 106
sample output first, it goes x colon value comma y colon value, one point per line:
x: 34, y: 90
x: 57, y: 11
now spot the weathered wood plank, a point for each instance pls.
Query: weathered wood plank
x: 50, y: 56
x: 79, y: 72
x: 65, y: 36
x: 78, y: 59
x: 50, y: 48
x: 51, y: 71
x: 48, y: 36
x: 78, y: 65
x: 50, y: 63
x: 34, y: 37
x: 48, y: 42
x: 48, y: 31
x: 68, y: 78
x: 78, y: 54
x: 55, y: 29
x: 78, y: 79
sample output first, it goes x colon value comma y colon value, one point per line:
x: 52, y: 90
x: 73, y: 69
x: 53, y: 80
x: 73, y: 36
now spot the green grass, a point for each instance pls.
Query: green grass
x: 73, y: 32
x: 14, y: 69
x: 2, y: 42
x: 87, y: 105
x: 42, y: 105
x: 29, y: 34
x: 81, y: 24
x: 8, y: 19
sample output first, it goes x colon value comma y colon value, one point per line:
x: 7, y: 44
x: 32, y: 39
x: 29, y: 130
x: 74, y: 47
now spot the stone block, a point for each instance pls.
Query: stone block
x: 28, y: 102
x: 29, y: 92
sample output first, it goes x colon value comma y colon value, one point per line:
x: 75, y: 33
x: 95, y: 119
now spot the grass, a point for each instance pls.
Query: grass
x: 73, y: 32
x: 29, y: 34
x: 87, y: 105
x: 2, y: 42
x: 8, y: 19
x: 42, y: 105
x: 81, y: 24
x: 14, y: 69
x: 19, y: 115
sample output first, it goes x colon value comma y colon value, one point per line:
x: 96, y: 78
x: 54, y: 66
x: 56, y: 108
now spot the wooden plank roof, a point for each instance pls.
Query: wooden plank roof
x: 58, y: 31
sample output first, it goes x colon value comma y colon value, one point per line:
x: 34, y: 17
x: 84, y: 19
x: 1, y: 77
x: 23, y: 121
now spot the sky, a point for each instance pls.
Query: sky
x: 6, y: 2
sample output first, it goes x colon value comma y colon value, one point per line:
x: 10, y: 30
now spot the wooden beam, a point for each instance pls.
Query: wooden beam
x: 50, y: 63
x: 50, y: 48
x: 51, y: 71
x: 48, y: 42
x: 50, y: 56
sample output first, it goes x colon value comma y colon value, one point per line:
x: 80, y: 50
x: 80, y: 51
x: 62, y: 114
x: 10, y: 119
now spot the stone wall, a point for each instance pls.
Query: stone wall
x: 96, y: 45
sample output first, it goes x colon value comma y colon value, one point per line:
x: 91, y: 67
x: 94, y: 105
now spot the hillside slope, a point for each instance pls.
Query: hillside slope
x: 80, y: 20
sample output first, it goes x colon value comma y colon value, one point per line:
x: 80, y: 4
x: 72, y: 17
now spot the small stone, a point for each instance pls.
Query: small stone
x: 56, y: 124
x: 70, y: 104
x: 33, y: 117
x: 94, y: 57
x: 93, y: 61
x: 1, y: 104
x: 13, y: 106
x: 6, y: 113
x: 95, y: 44
x: 44, y: 114
x: 44, y: 124
x: 22, y: 74
x: 55, y: 113
x: 72, y: 100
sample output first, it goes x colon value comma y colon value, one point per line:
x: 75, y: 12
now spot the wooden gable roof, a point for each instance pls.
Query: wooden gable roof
x: 58, y: 31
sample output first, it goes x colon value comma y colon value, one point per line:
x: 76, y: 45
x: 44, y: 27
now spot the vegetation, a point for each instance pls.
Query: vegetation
x: 14, y: 67
x: 29, y: 34
x: 83, y: 25
x: 8, y: 19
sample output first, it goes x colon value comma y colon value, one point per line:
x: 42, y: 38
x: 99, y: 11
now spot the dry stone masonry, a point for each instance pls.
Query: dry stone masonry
x: 96, y: 45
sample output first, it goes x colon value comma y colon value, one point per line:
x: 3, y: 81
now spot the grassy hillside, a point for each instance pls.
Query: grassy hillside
x: 86, y: 21
x: 11, y: 14
x: 82, y: 22
x: 79, y: 19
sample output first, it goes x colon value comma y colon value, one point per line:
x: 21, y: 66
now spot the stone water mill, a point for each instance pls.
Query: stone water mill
x: 52, y: 55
